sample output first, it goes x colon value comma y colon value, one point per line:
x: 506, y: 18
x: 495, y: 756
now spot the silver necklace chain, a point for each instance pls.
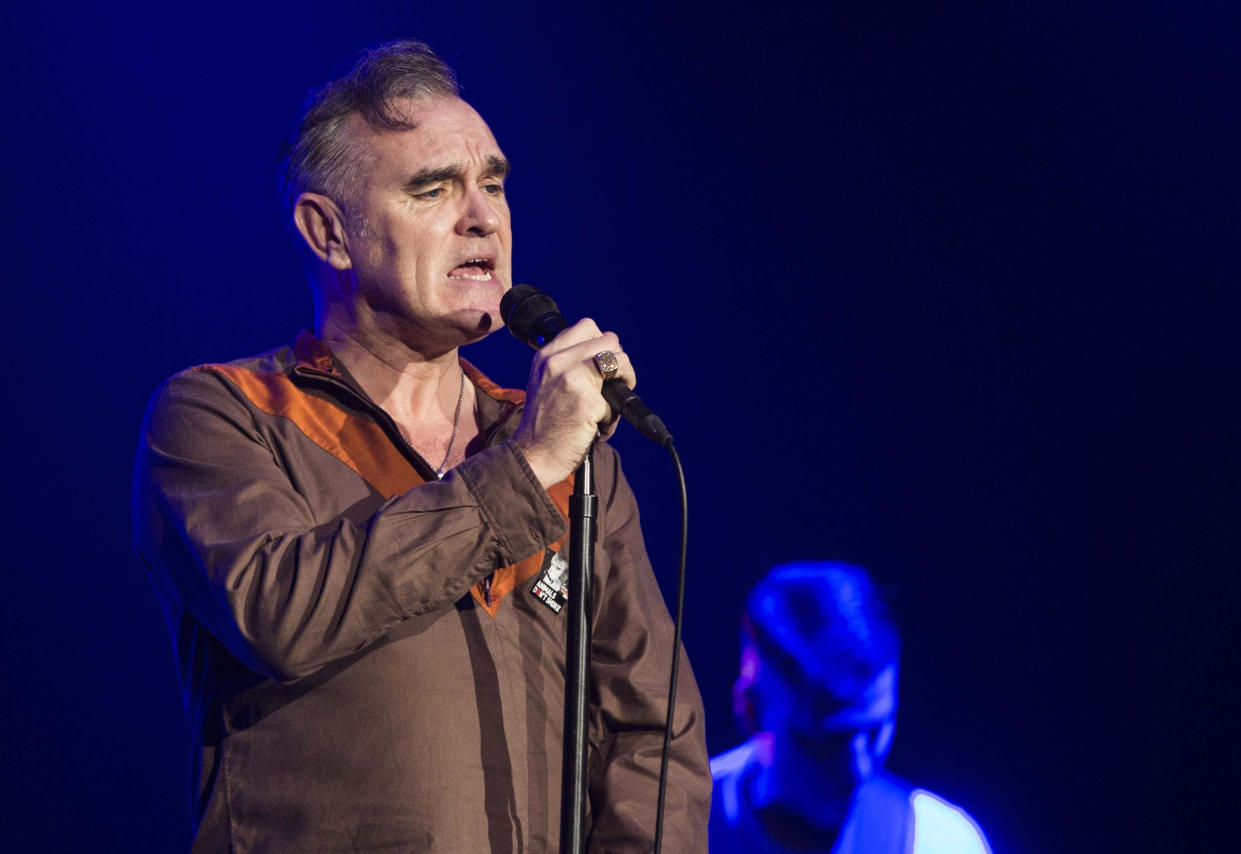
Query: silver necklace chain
x: 452, y: 440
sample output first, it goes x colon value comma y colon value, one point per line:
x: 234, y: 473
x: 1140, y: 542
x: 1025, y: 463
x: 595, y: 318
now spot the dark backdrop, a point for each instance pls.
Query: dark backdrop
x: 948, y: 290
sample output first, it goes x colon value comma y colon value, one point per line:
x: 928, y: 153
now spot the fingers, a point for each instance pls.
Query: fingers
x: 564, y: 406
x: 584, y: 330
x: 578, y: 345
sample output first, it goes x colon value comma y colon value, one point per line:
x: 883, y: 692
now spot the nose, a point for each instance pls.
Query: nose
x: 479, y: 217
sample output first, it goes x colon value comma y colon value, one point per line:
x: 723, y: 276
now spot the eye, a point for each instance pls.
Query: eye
x: 496, y: 189
x: 433, y: 193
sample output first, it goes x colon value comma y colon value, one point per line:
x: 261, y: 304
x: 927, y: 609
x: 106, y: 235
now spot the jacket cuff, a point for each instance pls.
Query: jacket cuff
x: 511, y: 500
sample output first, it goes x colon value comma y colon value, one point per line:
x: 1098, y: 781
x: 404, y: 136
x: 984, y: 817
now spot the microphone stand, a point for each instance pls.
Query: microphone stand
x: 583, y: 510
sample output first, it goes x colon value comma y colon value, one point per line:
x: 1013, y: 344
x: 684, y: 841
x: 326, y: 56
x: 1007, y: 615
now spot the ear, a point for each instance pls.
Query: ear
x: 322, y: 225
x: 883, y: 740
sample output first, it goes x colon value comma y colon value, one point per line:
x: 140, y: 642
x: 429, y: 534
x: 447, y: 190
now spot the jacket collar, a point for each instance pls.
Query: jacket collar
x: 313, y: 355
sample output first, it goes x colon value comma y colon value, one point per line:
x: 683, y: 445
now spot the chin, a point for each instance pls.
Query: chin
x: 478, y: 323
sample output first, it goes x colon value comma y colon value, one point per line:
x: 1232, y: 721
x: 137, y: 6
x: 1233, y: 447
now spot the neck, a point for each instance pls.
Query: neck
x: 423, y: 390
x: 789, y: 780
x: 404, y: 381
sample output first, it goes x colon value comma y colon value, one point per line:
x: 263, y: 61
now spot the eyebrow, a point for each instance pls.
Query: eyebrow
x: 495, y: 167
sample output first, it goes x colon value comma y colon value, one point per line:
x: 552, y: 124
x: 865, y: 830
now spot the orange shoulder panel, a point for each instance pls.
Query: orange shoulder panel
x: 357, y: 442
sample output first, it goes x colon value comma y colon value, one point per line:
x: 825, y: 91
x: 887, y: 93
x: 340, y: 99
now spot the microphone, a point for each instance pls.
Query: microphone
x: 532, y: 317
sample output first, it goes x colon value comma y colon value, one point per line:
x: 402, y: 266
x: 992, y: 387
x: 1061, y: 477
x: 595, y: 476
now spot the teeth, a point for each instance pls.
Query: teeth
x: 484, y: 276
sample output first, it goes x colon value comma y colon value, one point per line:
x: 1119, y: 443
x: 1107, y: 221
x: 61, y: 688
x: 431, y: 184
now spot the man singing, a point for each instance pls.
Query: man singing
x: 347, y: 533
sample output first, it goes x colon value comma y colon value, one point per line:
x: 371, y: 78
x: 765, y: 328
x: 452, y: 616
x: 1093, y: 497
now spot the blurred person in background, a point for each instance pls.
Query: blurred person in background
x: 817, y: 692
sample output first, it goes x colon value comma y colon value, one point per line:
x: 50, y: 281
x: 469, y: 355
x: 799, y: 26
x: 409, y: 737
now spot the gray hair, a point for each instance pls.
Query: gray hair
x: 319, y: 157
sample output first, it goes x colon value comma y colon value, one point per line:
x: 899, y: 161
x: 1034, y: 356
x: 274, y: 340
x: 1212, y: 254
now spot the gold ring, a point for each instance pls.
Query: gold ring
x: 607, y: 363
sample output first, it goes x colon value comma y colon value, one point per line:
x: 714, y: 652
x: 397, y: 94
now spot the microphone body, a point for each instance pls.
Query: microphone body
x: 532, y: 317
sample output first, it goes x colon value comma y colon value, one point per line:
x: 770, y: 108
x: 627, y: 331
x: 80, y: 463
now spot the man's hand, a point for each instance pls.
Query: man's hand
x: 564, y: 406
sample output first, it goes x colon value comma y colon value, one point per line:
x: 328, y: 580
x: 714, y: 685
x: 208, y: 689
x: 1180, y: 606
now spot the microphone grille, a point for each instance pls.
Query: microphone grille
x: 522, y: 305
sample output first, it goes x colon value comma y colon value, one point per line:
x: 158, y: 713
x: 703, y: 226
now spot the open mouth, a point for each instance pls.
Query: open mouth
x: 475, y: 269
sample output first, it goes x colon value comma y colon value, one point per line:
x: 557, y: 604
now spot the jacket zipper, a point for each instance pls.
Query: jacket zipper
x: 383, y: 418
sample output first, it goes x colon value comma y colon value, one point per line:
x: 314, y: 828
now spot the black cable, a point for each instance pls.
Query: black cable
x: 676, y: 651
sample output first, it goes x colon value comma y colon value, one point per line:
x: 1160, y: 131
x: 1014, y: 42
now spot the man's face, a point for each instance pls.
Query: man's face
x: 429, y: 237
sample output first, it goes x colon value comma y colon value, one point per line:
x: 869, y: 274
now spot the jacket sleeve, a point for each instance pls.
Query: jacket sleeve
x: 224, y: 531
x: 630, y: 666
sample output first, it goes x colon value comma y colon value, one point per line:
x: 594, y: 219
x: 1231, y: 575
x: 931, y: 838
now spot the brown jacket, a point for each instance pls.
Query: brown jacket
x: 364, y: 663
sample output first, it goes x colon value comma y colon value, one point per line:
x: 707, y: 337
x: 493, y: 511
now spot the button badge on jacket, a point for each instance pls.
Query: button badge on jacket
x: 552, y: 584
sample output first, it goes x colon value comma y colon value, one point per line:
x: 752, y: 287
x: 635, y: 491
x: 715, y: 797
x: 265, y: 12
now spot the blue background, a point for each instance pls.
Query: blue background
x: 948, y: 290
